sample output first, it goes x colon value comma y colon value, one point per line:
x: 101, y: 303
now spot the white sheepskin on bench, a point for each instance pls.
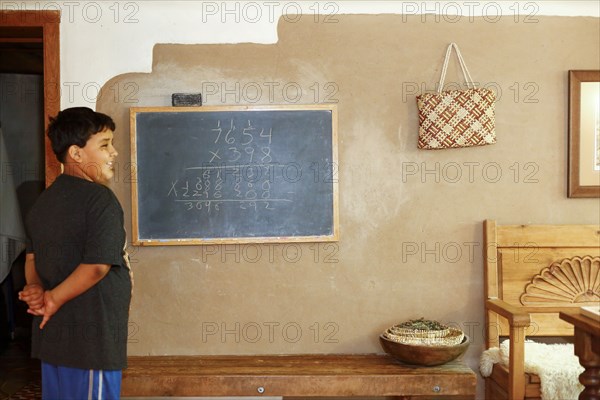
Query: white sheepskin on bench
x: 556, y: 365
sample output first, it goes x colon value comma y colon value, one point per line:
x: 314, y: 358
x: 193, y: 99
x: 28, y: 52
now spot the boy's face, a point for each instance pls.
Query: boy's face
x: 97, y: 157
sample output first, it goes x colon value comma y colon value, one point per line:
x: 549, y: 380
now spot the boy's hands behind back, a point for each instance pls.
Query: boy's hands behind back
x: 47, y: 303
x: 33, y: 295
x: 40, y: 302
x: 50, y: 308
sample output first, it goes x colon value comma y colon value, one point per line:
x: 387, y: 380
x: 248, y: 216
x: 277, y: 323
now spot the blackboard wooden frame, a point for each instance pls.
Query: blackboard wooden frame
x: 139, y: 240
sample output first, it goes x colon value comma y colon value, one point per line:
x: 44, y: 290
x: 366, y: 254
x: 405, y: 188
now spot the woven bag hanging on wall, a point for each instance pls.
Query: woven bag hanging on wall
x: 456, y: 118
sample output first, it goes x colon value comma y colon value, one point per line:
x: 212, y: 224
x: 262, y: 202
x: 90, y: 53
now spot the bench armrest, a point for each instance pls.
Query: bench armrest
x: 515, y: 316
x: 518, y: 321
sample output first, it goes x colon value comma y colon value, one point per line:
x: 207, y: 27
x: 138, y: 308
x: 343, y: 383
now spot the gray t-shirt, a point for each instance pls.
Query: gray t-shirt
x: 77, y: 222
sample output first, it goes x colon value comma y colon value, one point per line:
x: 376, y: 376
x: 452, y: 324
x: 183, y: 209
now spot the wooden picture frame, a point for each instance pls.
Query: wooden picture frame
x: 584, y: 133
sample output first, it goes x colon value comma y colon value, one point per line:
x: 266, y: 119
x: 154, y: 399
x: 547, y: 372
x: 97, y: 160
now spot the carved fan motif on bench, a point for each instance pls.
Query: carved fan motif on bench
x: 572, y: 280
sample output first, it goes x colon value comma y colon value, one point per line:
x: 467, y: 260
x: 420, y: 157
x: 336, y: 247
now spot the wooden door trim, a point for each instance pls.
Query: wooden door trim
x: 49, y: 21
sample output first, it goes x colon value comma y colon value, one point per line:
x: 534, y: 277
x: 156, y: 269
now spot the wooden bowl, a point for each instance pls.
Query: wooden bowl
x: 423, y: 355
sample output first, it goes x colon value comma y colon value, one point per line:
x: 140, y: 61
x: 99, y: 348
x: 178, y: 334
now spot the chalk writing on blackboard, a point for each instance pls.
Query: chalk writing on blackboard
x: 234, y: 174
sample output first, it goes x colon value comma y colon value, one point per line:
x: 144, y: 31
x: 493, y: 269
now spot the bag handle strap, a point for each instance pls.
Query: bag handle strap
x: 463, y: 66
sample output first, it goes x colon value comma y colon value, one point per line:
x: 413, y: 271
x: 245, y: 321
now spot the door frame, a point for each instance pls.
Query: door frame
x: 49, y: 21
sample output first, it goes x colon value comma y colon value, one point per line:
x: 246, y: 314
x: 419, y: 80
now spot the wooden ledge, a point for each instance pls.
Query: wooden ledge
x: 293, y: 375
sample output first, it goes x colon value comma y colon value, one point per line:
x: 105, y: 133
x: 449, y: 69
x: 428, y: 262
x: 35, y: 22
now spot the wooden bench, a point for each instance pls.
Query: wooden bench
x: 532, y: 273
x: 294, y: 376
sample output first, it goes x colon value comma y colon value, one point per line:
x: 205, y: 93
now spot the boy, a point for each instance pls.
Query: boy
x: 78, y: 282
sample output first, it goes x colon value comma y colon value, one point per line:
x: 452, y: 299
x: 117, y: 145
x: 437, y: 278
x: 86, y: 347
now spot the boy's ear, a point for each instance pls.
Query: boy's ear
x: 74, y: 152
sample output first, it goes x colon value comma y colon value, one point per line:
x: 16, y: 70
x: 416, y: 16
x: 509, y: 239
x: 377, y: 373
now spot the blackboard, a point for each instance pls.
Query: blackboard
x: 234, y: 174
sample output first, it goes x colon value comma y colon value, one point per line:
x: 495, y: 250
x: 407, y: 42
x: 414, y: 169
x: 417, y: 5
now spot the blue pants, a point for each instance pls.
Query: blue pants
x: 64, y: 383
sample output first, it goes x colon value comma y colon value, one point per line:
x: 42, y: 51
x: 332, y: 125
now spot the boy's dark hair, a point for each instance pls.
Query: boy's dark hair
x: 74, y: 126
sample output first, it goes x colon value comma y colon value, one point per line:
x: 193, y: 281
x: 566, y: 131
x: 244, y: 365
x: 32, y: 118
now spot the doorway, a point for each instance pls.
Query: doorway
x: 26, y: 30
x: 29, y: 94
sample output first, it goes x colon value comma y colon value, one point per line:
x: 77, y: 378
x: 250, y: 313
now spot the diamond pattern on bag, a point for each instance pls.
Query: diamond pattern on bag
x: 456, y: 118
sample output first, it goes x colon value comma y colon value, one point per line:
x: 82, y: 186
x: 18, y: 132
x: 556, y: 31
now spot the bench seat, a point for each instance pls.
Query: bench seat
x: 293, y: 375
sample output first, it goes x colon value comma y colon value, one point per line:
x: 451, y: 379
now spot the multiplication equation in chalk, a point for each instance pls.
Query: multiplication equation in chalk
x: 247, y: 187
x: 241, y: 172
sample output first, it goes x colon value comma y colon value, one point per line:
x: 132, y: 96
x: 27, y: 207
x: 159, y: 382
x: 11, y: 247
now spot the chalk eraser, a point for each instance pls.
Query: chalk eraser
x: 186, y: 99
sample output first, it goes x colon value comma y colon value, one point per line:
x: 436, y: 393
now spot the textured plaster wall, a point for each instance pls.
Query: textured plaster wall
x: 410, y: 220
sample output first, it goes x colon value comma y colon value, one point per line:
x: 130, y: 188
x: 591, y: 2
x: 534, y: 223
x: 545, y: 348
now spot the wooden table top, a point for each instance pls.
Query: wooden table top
x: 581, y: 321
